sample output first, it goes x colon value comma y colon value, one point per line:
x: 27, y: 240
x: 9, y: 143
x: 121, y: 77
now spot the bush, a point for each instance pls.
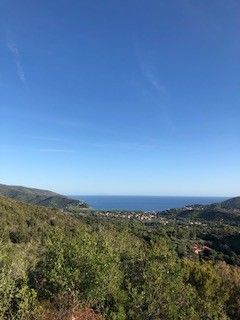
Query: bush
x: 17, y: 300
x: 18, y: 236
x: 80, y: 264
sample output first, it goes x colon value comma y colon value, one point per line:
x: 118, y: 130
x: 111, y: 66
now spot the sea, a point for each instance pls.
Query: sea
x: 144, y: 203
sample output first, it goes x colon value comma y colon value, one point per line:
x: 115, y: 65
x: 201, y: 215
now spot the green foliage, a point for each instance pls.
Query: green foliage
x: 79, y: 263
x: 121, y: 270
x: 17, y: 299
x: 208, y: 287
x: 231, y: 284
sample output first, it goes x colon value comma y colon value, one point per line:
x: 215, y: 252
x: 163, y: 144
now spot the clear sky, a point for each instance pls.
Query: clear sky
x: 121, y: 97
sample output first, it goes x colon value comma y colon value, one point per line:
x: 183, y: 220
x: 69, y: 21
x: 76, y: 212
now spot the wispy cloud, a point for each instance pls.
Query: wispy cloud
x: 56, y: 150
x: 153, y: 88
x: 17, y: 149
x: 126, y: 145
x: 45, y: 138
x: 151, y: 77
x: 149, y: 72
x: 12, y: 46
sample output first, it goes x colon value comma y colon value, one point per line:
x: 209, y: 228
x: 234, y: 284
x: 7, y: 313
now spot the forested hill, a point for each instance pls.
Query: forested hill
x: 233, y: 203
x: 41, y: 197
x: 227, y: 211
x: 55, y: 265
x: 208, y: 213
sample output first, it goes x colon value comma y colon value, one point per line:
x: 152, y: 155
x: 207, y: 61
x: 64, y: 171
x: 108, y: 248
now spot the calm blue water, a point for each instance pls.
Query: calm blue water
x: 144, y: 203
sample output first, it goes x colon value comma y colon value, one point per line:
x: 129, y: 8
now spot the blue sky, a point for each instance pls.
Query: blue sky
x: 121, y: 97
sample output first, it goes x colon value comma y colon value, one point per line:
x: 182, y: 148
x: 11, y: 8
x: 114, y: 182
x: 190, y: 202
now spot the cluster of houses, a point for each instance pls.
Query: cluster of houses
x: 146, y: 216
x: 200, y: 248
x: 142, y: 216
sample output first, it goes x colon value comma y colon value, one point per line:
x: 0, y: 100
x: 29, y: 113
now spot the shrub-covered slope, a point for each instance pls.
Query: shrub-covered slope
x: 233, y: 203
x: 41, y: 197
x: 59, y: 266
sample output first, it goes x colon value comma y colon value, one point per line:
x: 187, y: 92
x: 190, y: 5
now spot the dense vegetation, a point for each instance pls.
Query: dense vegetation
x: 55, y: 265
x: 216, y: 212
x: 41, y: 197
x: 233, y: 203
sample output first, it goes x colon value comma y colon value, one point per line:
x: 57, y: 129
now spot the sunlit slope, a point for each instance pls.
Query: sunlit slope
x: 23, y: 222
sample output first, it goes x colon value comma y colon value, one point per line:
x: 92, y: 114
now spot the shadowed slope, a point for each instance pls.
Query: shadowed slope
x: 41, y: 197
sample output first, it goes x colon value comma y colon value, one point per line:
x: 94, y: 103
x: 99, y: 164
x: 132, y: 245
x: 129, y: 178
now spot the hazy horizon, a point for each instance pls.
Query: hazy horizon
x: 76, y: 194
x: 148, y: 195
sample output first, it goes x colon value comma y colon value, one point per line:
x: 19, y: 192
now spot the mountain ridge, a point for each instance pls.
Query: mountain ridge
x: 41, y: 197
x: 232, y: 203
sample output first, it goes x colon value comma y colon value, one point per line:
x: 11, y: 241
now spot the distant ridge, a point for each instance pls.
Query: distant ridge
x: 40, y: 197
x: 233, y: 203
x: 227, y: 211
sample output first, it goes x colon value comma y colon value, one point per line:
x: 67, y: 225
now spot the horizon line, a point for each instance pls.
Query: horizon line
x: 142, y: 195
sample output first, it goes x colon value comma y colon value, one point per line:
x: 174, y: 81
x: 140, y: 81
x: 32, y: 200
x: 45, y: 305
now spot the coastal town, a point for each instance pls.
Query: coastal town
x: 163, y: 217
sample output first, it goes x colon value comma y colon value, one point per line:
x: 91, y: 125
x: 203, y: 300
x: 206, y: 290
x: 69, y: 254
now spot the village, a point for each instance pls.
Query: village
x: 139, y: 215
x: 147, y: 216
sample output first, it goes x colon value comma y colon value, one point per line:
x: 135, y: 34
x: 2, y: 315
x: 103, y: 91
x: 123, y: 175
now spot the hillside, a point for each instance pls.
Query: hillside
x: 227, y: 212
x: 212, y: 213
x: 60, y: 266
x: 41, y: 197
x: 233, y: 203
x: 23, y: 222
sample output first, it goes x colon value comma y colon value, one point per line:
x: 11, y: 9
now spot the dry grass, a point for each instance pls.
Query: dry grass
x: 85, y: 313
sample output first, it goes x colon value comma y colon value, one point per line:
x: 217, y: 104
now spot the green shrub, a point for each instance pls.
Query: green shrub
x: 17, y: 299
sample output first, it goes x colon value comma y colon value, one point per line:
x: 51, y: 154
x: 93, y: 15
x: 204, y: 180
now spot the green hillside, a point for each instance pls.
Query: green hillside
x: 207, y: 213
x: 226, y: 212
x: 23, y: 222
x: 41, y: 197
x: 233, y: 203
x: 60, y: 266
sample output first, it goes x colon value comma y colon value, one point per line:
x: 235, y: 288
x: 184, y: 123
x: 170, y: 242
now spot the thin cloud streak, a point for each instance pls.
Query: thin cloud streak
x: 56, y: 150
x: 50, y: 139
x: 125, y: 145
x: 153, y: 89
x: 12, y: 46
x: 152, y: 79
x: 18, y: 149
x: 149, y: 74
